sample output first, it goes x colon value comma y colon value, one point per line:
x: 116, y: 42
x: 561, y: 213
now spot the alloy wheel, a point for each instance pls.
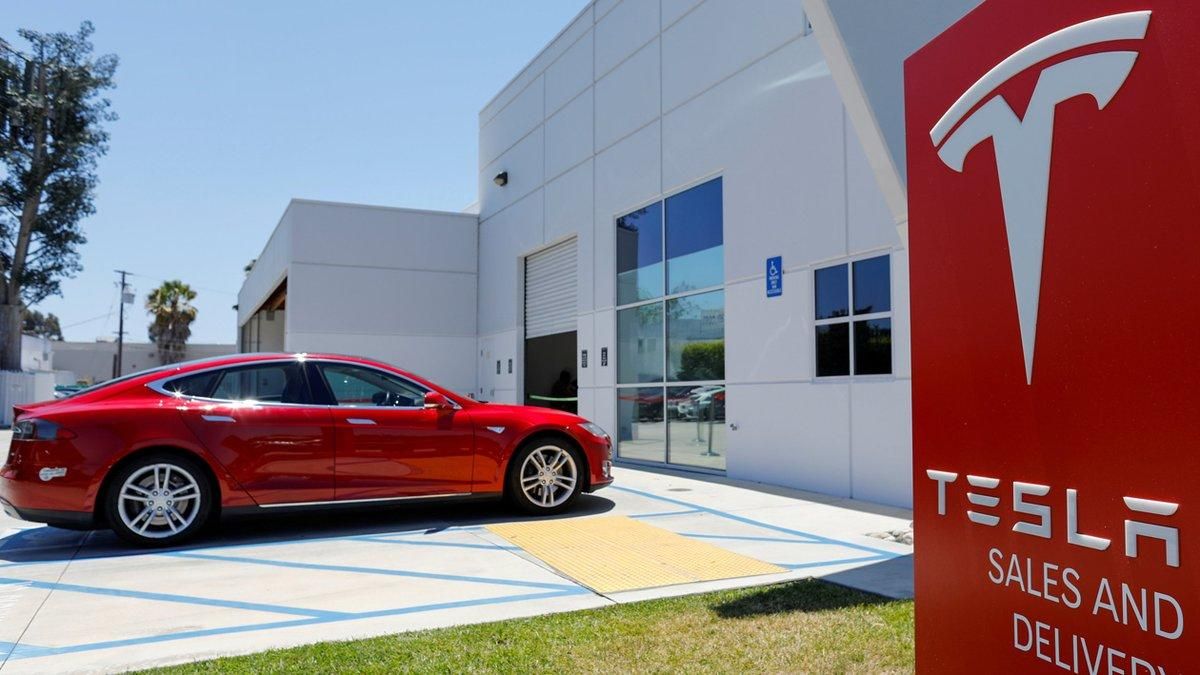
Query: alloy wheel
x: 159, y: 501
x: 548, y: 476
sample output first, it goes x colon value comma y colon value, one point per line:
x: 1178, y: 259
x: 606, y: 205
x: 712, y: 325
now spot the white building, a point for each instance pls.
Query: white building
x: 636, y: 181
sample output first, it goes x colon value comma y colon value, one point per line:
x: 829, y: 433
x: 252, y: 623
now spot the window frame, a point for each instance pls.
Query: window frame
x: 666, y: 383
x: 851, y: 318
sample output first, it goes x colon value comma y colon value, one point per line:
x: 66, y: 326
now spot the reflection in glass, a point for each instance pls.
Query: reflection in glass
x: 696, y: 337
x: 695, y: 238
x: 641, y: 429
x: 640, y: 344
x: 873, y: 347
x: 639, y: 255
x: 696, y: 426
x: 832, y: 292
x: 833, y: 349
x: 872, y: 285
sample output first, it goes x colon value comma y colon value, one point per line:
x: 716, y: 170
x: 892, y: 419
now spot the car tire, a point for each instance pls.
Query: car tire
x: 159, y: 499
x: 546, y: 476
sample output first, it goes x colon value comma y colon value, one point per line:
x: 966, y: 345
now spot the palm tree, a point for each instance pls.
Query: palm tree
x: 170, y: 308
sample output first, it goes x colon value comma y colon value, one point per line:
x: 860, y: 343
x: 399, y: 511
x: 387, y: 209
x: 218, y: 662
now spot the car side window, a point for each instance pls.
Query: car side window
x: 268, y: 383
x: 200, y: 384
x: 358, y: 387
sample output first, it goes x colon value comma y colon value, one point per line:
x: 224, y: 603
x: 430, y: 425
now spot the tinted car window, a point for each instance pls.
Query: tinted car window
x: 200, y: 384
x: 355, y: 386
x: 268, y: 383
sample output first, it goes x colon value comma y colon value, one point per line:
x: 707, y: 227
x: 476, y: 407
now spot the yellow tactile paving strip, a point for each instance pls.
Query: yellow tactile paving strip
x: 615, y: 553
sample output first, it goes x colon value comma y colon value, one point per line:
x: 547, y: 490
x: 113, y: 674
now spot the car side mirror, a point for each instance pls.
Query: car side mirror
x: 436, y: 400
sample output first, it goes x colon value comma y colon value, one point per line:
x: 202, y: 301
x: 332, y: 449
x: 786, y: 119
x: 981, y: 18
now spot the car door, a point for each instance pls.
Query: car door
x: 261, y: 423
x: 389, y: 445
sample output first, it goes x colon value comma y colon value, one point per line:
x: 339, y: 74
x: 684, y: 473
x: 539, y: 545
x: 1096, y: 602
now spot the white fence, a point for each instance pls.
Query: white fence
x: 17, y: 387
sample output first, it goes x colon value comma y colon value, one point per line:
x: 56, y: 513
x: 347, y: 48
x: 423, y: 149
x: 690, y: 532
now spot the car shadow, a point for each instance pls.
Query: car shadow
x: 51, y: 544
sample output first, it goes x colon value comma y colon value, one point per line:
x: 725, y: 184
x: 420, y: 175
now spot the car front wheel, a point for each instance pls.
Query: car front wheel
x: 547, y: 478
x: 159, y: 500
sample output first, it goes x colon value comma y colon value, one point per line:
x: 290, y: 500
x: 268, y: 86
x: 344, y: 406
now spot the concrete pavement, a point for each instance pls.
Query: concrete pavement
x: 84, y: 602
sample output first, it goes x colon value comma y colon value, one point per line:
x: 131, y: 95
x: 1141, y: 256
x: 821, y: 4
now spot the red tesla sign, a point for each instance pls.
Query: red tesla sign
x: 1054, y: 203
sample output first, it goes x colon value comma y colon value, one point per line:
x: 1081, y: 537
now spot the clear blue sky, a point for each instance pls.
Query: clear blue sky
x: 229, y: 108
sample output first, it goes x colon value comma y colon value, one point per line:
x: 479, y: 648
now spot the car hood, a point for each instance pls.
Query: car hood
x: 549, y: 414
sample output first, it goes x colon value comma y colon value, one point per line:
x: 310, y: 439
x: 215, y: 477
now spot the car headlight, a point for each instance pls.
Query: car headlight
x: 35, y: 430
x: 594, y: 429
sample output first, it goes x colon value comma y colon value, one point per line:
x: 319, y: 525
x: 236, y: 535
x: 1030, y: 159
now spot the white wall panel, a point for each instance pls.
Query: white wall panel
x: 569, y: 205
x: 769, y: 339
x: 623, y: 31
x: 881, y: 430
x: 605, y: 408
x: 512, y: 123
x: 791, y: 434
x: 868, y: 218
x: 605, y: 326
x: 585, y: 339
x: 672, y: 10
x: 524, y: 164
x: 720, y: 37
x: 627, y: 98
x: 444, y: 360
x: 500, y: 347
x: 569, y: 135
x: 774, y: 131
x: 383, y: 237
x: 372, y: 300
x: 570, y: 74
x: 901, y: 317
x: 502, y: 240
x: 627, y: 174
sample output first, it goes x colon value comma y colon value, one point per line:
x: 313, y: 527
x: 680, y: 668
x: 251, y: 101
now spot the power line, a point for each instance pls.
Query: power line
x: 106, y: 315
x: 199, y: 288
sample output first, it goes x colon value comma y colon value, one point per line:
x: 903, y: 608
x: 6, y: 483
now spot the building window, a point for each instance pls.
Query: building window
x: 853, y: 307
x: 671, y: 330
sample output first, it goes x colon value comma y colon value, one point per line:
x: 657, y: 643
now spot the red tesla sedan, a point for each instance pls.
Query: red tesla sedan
x: 156, y: 455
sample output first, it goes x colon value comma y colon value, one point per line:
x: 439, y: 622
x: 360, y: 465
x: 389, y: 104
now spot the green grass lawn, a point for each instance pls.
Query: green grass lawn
x: 808, y: 626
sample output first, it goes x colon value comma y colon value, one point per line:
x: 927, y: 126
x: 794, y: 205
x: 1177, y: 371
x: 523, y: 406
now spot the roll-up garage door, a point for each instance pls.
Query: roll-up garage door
x: 550, y: 283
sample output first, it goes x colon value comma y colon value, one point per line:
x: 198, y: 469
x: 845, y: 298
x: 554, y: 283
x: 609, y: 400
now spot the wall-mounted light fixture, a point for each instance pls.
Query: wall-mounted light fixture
x: 501, y: 179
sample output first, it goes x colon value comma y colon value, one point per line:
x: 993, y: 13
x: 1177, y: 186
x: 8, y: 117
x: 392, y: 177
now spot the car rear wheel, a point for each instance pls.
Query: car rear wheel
x: 159, y: 500
x: 548, y: 476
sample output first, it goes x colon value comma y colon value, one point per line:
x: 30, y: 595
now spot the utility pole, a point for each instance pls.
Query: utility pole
x: 121, y: 324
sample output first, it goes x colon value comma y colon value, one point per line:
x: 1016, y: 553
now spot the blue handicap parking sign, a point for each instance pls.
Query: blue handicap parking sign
x: 775, y: 276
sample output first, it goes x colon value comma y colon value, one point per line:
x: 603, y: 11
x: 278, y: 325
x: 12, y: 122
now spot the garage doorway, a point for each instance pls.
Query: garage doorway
x: 551, y: 302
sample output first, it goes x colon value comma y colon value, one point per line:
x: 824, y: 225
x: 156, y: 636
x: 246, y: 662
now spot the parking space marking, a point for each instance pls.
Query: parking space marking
x: 168, y: 597
x: 749, y: 521
x: 371, y: 570
x: 23, y: 651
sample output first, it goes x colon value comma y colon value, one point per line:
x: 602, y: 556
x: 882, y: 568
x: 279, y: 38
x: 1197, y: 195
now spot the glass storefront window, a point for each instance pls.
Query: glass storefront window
x: 696, y: 426
x: 867, y: 290
x: 873, y: 347
x: 695, y: 239
x: 639, y: 255
x: 640, y: 344
x: 873, y: 285
x: 696, y: 337
x: 641, y: 427
x: 832, y: 291
x: 683, y: 423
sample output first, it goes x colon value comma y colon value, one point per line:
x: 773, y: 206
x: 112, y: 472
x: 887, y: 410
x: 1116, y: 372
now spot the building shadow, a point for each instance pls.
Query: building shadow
x: 51, y: 544
x: 807, y: 595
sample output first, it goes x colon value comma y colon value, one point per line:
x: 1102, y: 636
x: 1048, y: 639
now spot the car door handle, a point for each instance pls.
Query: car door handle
x: 217, y: 418
x: 359, y: 420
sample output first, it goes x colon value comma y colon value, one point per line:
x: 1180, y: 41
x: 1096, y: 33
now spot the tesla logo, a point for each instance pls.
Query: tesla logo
x: 1022, y: 146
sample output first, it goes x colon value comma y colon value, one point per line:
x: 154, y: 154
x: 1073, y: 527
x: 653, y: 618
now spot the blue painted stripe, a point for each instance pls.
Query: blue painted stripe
x: 169, y: 597
x: 446, y: 544
x: 373, y: 570
x: 30, y: 651
x: 731, y: 537
x: 664, y: 514
x: 768, y: 526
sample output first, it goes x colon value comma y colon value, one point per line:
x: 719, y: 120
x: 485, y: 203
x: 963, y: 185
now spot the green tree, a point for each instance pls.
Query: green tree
x: 41, y: 326
x: 52, y: 118
x: 702, y: 361
x: 171, y: 314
